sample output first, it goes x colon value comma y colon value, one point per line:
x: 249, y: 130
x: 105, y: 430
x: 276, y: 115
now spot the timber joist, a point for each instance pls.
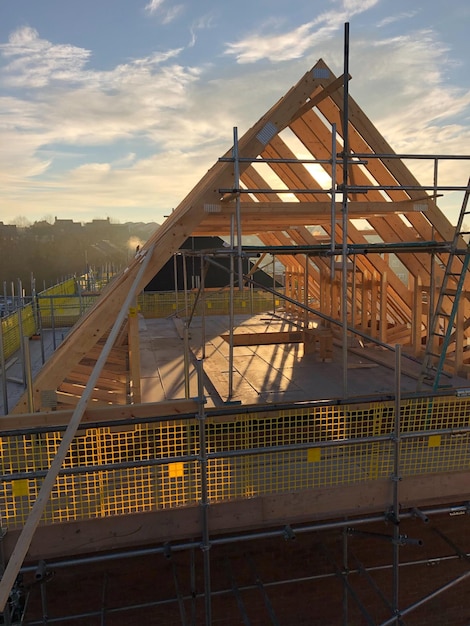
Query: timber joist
x: 112, y: 385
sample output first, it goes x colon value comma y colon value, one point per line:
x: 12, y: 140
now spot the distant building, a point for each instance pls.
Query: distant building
x: 105, y: 229
x: 8, y: 232
x: 42, y: 231
x: 66, y: 226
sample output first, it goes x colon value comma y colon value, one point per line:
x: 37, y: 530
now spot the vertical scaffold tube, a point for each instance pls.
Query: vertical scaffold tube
x: 333, y: 202
x: 396, y: 479
x: 231, y: 310
x: 4, y: 373
x: 28, y: 373
x: 236, y: 181
x: 203, y: 308
x: 205, y: 545
x: 344, y: 256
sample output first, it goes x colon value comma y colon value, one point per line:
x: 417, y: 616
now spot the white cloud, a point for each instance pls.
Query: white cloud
x: 142, y: 190
x: 91, y: 107
x: 20, y: 161
x: 409, y: 72
x: 396, y: 18
x: 149, y: 106
x: 35, y: 62
x: 172, y: 13
x: 159, y: 124
x: 296, y: 42
x: 137, y: 103
x: 282, y: 47
x: 402, y: 85
x: 351, y: 7
x: 166, y: 13
x: 153, y: 6
x: 204, y: 22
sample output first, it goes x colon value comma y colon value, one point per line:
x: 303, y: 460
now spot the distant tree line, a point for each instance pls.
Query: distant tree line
x: 51, y: 252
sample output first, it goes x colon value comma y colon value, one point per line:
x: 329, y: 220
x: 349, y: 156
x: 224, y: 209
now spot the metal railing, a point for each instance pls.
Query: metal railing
x: 154, y: 464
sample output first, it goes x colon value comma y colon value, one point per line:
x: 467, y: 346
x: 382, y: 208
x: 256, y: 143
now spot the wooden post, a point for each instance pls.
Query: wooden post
x: 306, y: 290
x: 335, y: 300
x: 417, y: 319
x: 433, y: 339
x: 459, y: 335
x: 290, y: 306
x: 324, y: 293
x: 365, y: 301
x: 383, y: 324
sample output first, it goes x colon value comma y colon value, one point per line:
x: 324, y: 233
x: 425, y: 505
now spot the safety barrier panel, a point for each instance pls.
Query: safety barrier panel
x: 157, y: 465
x: 21, y: 322
x: 63, y: 311
x: 62, y: 305
x: 26, y: 319
x: 166, y: 303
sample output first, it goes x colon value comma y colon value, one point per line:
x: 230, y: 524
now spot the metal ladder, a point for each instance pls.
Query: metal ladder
x: 443, y: 323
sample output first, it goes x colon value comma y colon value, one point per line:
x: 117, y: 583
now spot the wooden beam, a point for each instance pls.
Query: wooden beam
x: 117, y: 396
x: 82, y: 372
x: 315, y: 135
x: 303, y: 178
x: 93, y: 414
x: 67, y: 399
x: 243, y: 514
x: 417, y: 319
x: 261, y: 216
x: 383, y: 321
x: 319, y: 97
x: 262, y: 339
x: 396, y: 167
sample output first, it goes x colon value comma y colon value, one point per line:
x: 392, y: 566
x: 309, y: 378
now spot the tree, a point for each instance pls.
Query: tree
x: 21, y: 221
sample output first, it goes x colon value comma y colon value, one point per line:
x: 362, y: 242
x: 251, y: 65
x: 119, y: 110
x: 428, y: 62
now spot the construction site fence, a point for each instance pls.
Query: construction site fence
x: 212, y: 302
x: 156, y: 464
x: 62, y: 305
x: 25, y: 320
x: 59, y: 306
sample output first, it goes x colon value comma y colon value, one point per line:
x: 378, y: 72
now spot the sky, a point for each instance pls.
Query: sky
x: 117, y: 108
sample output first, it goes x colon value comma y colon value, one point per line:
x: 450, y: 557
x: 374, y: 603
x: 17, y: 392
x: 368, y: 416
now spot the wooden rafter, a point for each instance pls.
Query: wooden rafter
x: 302, y: 117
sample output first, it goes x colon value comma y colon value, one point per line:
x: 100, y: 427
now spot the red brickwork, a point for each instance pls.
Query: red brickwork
x: 297, y: 581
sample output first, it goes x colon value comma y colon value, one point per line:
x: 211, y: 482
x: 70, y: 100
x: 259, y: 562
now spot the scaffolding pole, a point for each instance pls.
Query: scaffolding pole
x: 236, y: 184
x: 344, y: 255
x: 203, y: 461
x: 203, y: 307
x: 4, y: 372
x: 231, y: 308
x: 396, y: 479
x: 333, y: 202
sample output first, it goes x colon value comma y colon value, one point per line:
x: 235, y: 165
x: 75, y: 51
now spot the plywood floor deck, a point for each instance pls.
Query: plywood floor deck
x: 262, y: 373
